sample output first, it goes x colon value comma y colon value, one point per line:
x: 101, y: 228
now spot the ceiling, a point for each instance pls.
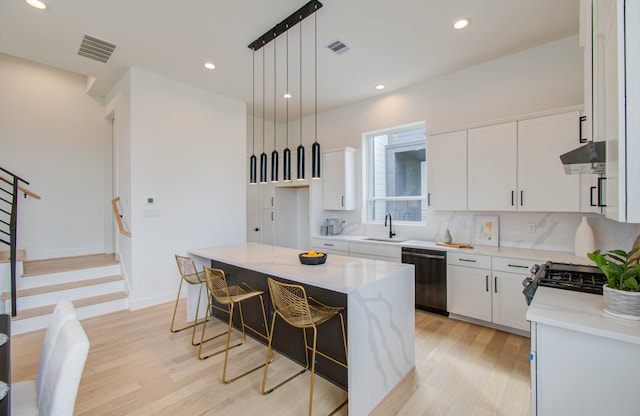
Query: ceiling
x: 396, y: 43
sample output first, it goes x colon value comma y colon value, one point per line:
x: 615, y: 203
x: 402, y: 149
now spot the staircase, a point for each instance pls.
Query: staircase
x: 93, y: 283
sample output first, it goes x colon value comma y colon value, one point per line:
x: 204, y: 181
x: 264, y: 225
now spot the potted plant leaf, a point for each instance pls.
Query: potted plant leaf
x: 622, y: 291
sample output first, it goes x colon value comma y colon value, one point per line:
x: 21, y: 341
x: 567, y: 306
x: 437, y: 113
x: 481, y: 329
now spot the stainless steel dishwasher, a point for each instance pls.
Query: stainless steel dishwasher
x: 430, y: 278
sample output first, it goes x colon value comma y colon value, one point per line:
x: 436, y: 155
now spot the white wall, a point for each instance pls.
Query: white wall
x: 539, y: 79
x: 56, y: 137
x: 186, y: 150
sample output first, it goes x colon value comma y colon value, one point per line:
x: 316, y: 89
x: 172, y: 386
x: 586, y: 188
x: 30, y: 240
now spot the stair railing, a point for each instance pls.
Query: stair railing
x: 9, y: 221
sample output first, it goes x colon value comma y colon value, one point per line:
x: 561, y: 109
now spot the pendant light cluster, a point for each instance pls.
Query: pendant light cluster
x: 283, y: 27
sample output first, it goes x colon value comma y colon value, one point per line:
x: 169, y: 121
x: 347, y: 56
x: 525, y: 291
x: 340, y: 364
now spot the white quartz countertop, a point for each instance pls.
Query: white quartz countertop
x: 524, y: 253
x: 339, y: 273
x: 580, y: 312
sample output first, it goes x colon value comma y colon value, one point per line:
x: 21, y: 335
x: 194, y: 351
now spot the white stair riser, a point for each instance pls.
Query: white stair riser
x: 52, y: 298
x: 41, y: 322
x: 5, y: 275
x: 66, y: 277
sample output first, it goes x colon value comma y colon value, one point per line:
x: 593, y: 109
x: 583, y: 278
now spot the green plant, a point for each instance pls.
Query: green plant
x: 620, y: 267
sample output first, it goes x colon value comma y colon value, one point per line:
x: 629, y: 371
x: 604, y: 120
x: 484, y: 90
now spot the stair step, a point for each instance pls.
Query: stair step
x: 21, y: 255
x: 77, y: 303
x: 61, y: 286
x: 65, y: 264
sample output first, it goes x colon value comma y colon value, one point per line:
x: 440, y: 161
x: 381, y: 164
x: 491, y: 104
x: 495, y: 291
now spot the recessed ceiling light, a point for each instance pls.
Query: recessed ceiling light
x: 209, y: 65
x: 37, y: 4
x: 461, y: 23
x: 287, y: 95
x: 379, y: 87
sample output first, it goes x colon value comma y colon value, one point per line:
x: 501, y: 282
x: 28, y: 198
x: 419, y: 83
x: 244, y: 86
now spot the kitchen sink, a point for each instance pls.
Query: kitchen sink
x: 384, y: 240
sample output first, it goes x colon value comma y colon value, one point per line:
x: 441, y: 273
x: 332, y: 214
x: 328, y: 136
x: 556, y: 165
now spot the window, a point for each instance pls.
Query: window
x: 396, y: 174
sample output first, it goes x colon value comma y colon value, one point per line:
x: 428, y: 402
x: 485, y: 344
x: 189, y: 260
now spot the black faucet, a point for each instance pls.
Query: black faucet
x: 391, y: 233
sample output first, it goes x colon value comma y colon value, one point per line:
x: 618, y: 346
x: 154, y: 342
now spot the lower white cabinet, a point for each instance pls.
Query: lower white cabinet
x: 329, y: 246
x: 488, y: 288
x: 468, y: 292
x: 376, y: 251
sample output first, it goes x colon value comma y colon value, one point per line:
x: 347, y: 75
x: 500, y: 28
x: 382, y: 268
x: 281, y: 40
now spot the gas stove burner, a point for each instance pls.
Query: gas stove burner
x: 576, y: 277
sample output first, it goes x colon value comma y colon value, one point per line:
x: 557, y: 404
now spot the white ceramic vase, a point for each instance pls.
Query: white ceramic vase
x: 585, y: 241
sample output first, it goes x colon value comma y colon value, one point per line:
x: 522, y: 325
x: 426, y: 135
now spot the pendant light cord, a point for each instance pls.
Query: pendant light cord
x: 253, y: 101
x: 287, y: 101
x: 315, y: 73
x: 263, y: 102
x: 301, y: 80
x: 275, y: 43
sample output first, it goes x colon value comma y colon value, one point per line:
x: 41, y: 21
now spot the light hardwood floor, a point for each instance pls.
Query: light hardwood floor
x: 137, y: 367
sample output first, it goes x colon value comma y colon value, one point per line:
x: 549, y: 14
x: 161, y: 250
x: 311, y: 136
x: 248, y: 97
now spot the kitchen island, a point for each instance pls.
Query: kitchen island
x: 582, y: 359
x: 379, y: 305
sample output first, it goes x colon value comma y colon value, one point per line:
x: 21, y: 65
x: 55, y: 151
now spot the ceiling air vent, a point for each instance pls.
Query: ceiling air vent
x: 96, y: 49
x: 338, y: 47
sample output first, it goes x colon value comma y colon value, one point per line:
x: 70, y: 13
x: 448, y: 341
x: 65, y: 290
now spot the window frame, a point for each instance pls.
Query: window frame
x: 368, y: 173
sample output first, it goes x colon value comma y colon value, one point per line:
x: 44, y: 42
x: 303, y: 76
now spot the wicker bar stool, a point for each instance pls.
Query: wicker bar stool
x: 291, y: 303
x: 189, y: 274
x: 229, y: 296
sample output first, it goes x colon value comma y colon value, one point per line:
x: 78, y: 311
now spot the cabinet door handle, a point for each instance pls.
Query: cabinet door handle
x: 518, y: 266
x: 512, y: 196
x: 600, y: 182
x: 328, y: 244
x: 495, y: 284
x: 486, y: 282
x: 271, y: 216
x: 342, y: 201
x: 429, y: 199
x: 580, y: 138
x: 469, y: 260
x: 521, y: 198
x: 271, y: 201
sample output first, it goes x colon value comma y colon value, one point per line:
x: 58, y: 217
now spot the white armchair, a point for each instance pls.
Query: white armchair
x: 62, y: 358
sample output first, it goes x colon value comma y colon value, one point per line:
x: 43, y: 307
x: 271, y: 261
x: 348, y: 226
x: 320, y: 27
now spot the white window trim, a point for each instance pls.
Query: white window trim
x: 366, y: 183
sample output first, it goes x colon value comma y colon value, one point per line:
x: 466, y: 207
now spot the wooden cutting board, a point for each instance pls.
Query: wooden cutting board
x: 455, y: 245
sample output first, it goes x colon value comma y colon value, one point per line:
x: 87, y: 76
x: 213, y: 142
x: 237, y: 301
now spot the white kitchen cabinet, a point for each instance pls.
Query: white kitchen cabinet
x: 488, y: 288
x: 338, y: 179
x: 492, y: 167
x: 254, y: 215
x: 329, y: 246
x: 543, y: 184
x: 376, y: 251
x: 469, y: 285
x: 509, y: 307
x: 616, y: 101
x: 447, y: 171
x: 268, y: 226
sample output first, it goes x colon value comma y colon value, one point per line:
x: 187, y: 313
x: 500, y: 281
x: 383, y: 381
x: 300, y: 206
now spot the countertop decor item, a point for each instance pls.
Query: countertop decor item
x: 585, y: 241
x: 447, y: 237
x: 622, y: 291
x: 312, y: 258
x: 486, y: 230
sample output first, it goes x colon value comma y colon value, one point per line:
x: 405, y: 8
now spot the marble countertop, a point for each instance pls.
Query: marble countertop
x: 581, y: 312
x: 339, y: 273
x: 525, y: 253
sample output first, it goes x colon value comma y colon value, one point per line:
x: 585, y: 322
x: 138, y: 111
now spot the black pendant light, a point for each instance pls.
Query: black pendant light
x: 300, y: 149
x: 274, y: 154
x: 315, y: 148
x: 253, y: 159
x: 311, y: 7
x: 286, y: 154
x: 263, y: 156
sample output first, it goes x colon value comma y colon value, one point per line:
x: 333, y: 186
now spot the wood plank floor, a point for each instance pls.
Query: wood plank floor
x: 137, y: 367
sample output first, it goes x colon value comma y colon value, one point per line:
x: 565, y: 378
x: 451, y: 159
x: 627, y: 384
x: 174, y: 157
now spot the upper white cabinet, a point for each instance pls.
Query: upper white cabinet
x: 516, y: 166
x: 612, y: 71
x: 543, y: 184
x: 492, y: 158
x: 447, y: 171
x: 338, y: 179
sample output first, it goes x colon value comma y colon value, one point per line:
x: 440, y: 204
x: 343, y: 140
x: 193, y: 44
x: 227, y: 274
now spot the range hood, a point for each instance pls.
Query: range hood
x: 589, y: 158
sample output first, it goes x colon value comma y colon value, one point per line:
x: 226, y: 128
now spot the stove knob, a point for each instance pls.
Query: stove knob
x: 535, y: 268
x: 527, y: 281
